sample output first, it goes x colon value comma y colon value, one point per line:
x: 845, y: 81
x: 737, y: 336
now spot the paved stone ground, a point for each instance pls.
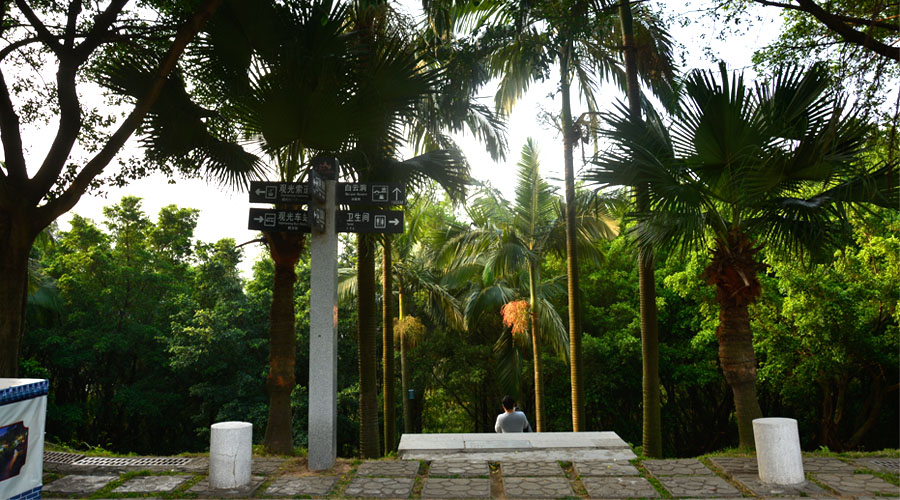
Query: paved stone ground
x: 699, y: 487
x: 677, y: 467
x: 682, y: 478
x: 537, y: 487
x: 858, y: 484
x: 531, y: 469
x: 380, y: 487
x: 151, y: 484
x: 459, y: 468
x: 393, y: 468
x: 293, y: 486
x: 78, y: 484
x: 761, y: 489
x: 619, y: 487
x: 439, y: 487
x: 596, y: 468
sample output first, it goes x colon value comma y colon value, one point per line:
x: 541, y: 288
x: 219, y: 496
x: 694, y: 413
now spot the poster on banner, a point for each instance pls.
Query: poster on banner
x: 21, y: 443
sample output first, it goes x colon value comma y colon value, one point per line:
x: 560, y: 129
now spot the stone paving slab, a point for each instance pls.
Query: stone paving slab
x: 537, y: 487
x: 459, y: 468
x: 677, y: 467
x: 826, y: 464
x: 879, y: 464
x: 78, y: 484
x: 619, y: 487
x: 698, y: 486
x: 531, y: 469
x: 151, y: 484
x: 761, y: 489
x: 437, y: 487
x: 381, y: 487
x: 600, y: 468
x: 858, y: 484
x: 203, y: 490
x: 393, y: 468
x: 293, y: 486
x: 265, y: 466
x: 736, y: 465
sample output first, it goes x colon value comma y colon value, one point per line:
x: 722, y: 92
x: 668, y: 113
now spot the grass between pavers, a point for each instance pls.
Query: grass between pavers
x: 725, y: 476
x: 179, y: 492
x: 574, y: 479
x: 663, y: 493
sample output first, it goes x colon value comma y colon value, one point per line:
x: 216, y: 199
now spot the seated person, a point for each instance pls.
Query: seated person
x: 511, y: 420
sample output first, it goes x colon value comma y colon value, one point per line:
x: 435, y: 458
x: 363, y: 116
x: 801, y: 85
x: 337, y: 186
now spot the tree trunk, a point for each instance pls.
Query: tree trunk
x: 285, y: 250
x: 733, y: 270
x: 571, y: 246
x: 368, y: 362
x: 652, y: 421
x: 739, y: 366
x: 404, y: 371
x: 536, y: 352
x: 390, y: 424
x: 16, y: 239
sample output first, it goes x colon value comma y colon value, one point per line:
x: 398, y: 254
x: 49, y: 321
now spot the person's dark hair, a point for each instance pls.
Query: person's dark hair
x: 508, y: 402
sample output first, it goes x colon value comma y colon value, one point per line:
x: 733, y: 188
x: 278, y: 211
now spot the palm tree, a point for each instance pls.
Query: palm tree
x: 774, y: 167
x: 513, y: 241
x: 523, y: 41
x: 275, y: 77
x: 652, y: 418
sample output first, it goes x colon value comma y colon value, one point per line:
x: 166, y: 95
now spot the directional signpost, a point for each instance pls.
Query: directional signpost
x: 321, y: 195
x: 361, y: 193
x: 369, y: 221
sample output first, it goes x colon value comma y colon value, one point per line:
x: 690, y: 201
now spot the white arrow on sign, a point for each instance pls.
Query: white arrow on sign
x: 397, y: 194
x: 394, y: 221
x: 260, y: 192
x: 259, y: 219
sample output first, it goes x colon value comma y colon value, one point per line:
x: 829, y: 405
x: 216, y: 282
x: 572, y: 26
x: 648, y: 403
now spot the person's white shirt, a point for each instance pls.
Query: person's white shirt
x: 512, y: 421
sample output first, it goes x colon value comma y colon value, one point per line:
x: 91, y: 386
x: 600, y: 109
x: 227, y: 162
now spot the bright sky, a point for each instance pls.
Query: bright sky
x: 224, y: 213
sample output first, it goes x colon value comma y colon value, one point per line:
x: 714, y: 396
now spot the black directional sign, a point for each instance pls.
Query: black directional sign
x: 316, y: 186
x: 280, y: 192
x: 282, y: 221
x: 374, y: 193
x: 369, y: 221
x: 317, y: 219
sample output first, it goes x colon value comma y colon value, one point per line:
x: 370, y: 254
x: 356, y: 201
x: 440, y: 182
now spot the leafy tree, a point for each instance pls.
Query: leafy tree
x: 523, y: 41
x: 74, y: 35
x: 775, y: 166
x: 828, y: 350
x: 511, y: 242
x: 103, y: 351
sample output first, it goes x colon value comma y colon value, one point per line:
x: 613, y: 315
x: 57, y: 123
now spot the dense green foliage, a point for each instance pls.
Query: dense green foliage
x: 154, y: 337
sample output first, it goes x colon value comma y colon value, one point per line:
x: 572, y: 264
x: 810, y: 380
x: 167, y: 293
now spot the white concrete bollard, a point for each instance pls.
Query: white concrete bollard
x: 778, y: 451
x: 230, y: 454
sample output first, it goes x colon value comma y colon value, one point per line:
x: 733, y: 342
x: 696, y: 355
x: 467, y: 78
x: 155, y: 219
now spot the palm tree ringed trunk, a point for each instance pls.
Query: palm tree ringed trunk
x: 733, y: 271
x: 536, y: 350
x: 369, y: 446
x: 571, y: 246
x: 404, y: 369
x: 285, y: 250
x: 390, y: 425
x: 652, y: 420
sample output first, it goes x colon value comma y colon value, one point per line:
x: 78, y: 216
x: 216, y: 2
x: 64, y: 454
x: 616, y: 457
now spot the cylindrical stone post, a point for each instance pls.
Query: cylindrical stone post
x: 230, y: 450
x: 778, y: 451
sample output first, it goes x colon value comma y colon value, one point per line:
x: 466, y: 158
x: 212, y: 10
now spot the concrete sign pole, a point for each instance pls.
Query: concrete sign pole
x: 323, y: 324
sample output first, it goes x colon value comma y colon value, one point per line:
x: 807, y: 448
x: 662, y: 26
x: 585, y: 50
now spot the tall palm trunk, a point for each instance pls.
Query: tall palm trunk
x: 404, y: 369
x: 652, y: 431
x: 369, y: 446
x: 571, y: 245
x: 387, y: 319
x: 285, y: 249
x: 536, y: 350
x: 16, y: 239
x: 733, y: 271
